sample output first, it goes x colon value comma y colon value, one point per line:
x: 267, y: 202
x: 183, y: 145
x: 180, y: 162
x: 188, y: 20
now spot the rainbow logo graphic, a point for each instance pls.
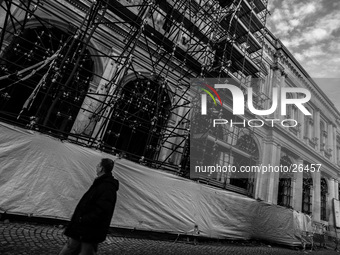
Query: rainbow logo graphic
x: 204, y: 97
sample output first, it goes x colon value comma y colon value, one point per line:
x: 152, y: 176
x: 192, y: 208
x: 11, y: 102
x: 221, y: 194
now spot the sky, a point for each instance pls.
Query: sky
x: 310, y: 29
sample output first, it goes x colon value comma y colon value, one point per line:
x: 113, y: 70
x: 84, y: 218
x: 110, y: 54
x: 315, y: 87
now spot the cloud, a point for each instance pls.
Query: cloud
x: 334, y: 46
x: 313, y: 51
x: 294, y: 22
x: 314, y: 35
x: 299, y: 57
x: 310, y: 29
x: 336, y: 32
x: 290, y: 15
x: 331, y: 88
x: 302, y: 10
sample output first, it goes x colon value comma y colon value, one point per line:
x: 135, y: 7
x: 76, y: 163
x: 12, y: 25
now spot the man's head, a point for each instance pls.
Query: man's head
x: 105, y: 166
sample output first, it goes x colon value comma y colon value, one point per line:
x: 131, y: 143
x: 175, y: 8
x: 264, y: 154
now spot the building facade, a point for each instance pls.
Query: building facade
x: 313, y: 141
x: 115, y: 75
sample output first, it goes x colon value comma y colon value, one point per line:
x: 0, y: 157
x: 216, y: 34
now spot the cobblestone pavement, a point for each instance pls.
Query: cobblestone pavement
x: 32, y: 238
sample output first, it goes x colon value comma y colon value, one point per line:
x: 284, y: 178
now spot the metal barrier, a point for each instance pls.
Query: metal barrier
x: 317, y: 235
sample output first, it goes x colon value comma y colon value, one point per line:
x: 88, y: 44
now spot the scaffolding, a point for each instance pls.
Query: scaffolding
x: 115, y: 75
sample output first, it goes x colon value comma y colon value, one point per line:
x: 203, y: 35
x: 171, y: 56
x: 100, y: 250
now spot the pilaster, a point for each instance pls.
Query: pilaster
x: 331, y: 195
x: 297, y: 192
x: 16, y: 11
x: 336, y: 189
x: 302, y: 125
x: 334, y: 153
x: 317, y: 128
x: 277, y: 83
x: 316, y: 196
x: 330, y: 144
x: 265, y: 183
x: 86, y: 119
x: 293, y: 191
x: 276, y: 176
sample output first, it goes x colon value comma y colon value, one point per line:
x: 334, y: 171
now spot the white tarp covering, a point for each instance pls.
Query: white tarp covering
x: 45, y: 177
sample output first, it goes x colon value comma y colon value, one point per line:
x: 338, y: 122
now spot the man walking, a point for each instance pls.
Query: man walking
x: 91, y: 218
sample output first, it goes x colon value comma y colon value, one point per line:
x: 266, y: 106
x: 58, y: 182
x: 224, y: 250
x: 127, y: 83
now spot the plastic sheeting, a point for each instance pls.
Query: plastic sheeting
x: 45, y: 177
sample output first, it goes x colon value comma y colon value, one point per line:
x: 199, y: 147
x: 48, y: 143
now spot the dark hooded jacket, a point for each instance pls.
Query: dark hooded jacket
x: 91, y: 218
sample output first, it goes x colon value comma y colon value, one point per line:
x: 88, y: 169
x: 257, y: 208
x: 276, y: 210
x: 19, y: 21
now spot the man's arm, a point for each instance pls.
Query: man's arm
x: 103, y: 206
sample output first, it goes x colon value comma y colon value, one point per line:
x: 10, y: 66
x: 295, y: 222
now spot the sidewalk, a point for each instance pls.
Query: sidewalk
x: 36, y: 238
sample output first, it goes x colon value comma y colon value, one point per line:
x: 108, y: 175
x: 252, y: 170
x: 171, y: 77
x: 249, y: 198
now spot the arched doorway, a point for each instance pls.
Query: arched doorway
x: 51, y: 90
x: 139, y: 118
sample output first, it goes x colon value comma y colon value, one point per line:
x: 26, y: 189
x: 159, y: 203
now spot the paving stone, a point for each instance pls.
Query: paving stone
x: 17, y: 238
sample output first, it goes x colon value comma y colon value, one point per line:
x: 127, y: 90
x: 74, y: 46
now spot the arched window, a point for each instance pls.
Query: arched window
x: 324, y: 192
x: 51, y: 91
x: 285, y: 184
x: 140, y: 115
x: 307, y: 186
